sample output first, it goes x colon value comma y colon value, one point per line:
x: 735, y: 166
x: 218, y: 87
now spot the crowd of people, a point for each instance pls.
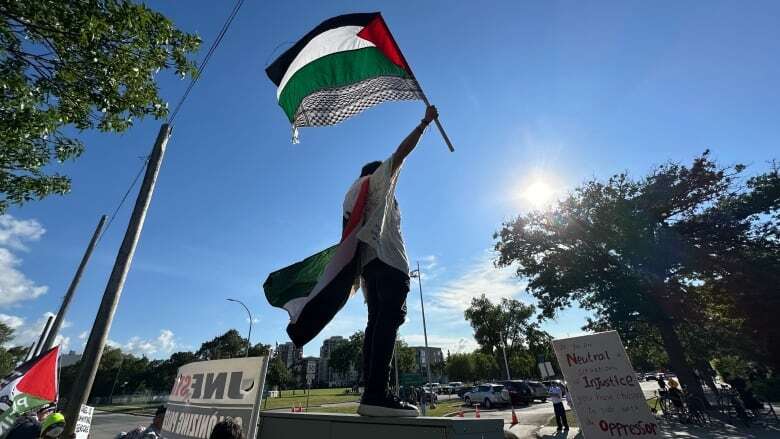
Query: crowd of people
x: 47, y: 423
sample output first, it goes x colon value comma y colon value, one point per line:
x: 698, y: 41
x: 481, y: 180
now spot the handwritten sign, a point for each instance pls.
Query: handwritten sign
x: 84, y: 422
x: 605, y: 393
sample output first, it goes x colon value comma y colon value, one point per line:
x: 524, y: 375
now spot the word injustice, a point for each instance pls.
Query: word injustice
x: 612, y: 381
x: 589, y: 358
x: 619, y: 429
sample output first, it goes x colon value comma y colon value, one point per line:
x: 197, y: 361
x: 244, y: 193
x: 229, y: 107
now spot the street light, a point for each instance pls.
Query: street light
x: 248, y: 342
x: 417, y: 274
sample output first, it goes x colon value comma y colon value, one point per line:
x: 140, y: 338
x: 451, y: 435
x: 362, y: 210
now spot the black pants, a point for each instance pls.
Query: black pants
x: 560, y: 415
x: 385, y: 288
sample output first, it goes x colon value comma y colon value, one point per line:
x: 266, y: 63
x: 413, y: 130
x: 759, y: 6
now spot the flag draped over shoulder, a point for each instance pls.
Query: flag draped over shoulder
x: 31, y: 385
x: 343, y: 66
x: 316, y: 288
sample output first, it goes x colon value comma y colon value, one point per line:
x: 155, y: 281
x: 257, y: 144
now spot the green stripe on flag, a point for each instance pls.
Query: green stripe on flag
x: 298, y: 279
x: 333, y: 71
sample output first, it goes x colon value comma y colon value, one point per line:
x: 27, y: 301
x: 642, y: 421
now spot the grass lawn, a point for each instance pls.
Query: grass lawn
x: 571, y: 419
x: 441, y: 409
x: 317, y: 397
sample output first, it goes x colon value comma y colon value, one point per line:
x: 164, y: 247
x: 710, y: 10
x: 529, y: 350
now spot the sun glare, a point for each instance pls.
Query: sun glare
x: 538, y: 193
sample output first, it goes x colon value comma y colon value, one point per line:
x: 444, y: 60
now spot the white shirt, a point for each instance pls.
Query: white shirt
x: 381, y: 231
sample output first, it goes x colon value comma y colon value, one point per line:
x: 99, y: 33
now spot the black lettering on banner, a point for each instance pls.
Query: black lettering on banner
x: 197, y: 385
x: 234, y: 391
x: 215, y: 385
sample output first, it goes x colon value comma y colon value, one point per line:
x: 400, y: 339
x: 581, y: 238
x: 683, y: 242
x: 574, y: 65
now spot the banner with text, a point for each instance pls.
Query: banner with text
x: 84, y: 423
x: 206, y: 392
x: 604, y: 390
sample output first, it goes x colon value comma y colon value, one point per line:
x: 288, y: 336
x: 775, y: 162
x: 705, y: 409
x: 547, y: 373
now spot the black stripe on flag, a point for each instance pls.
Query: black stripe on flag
x: 278, y: 68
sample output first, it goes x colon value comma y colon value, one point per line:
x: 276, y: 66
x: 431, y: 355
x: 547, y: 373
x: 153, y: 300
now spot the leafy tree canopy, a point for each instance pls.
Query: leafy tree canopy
x: 76, y: 64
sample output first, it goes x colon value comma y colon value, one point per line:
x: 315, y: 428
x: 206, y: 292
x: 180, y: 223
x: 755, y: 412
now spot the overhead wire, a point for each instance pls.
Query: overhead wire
x: 176, y: 110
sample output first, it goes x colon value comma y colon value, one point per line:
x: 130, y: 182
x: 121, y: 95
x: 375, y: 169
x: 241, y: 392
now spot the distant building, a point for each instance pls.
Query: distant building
x: 307, y: 371
x: 421, y: 358
x: 69, y: 359
x: 289, y: 354
x: 327, y: 376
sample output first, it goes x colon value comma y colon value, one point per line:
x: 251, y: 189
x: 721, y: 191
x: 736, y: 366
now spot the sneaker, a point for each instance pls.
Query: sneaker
x: 388, y: 407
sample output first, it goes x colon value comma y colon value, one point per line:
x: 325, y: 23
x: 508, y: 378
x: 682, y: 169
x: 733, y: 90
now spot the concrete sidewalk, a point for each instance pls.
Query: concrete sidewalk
x: 673, y: 430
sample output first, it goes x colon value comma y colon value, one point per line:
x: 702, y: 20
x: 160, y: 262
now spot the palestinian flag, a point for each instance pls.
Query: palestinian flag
x: 30, y: 386
x: 316, y: 288
x: 343, y: 66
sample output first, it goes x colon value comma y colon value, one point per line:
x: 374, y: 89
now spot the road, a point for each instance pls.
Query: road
x: 107, y: 425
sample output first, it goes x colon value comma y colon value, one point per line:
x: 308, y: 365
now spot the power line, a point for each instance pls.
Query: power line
x: 191, y: 85
x: 206, y: 59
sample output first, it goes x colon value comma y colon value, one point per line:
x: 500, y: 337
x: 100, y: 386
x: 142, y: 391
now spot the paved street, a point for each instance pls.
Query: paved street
x: 107, y: 425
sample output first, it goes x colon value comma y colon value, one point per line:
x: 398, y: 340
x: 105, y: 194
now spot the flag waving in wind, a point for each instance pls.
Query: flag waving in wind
x: 30, y: 386
x: 343, y: 66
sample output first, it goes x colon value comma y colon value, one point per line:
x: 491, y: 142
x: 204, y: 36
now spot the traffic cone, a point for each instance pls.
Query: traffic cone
x: 514, y: 417
x: 477, y: 411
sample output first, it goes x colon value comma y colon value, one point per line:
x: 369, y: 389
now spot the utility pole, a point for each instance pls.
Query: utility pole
x: 39, y: 346
x: 248, y: 342
x: 425, y: 335
x: 100, y: 329
x: 503, y: 347
x: 55, y: 329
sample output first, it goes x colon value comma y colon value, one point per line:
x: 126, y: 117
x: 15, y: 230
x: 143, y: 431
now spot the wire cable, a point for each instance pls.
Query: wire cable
x: 206, y: 60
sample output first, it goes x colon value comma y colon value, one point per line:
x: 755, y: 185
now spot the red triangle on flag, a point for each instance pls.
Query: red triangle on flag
x: 377, y: 32
x: 40, y: 380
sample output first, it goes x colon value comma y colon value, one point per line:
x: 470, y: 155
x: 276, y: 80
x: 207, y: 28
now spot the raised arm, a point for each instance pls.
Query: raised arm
x: 408, y: 144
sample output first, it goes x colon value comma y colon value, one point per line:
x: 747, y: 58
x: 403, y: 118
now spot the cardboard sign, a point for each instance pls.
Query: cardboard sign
x: 207, y: 392
x: 84, y: 422
x: 604, y: 390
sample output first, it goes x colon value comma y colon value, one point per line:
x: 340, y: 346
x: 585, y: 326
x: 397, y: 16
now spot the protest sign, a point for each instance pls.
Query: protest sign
x: 606, y: 395
x: 84, y: 422
x: 206, y: 392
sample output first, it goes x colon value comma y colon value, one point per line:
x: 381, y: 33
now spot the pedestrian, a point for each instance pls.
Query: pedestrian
x: 384, y: 272
x: 661, y: 383
x: 227, y: 428
x: 153, y: 431
x: 53, y: 426
x: 556, y: 397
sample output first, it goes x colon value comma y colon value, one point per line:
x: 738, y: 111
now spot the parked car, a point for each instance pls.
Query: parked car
x: 464, y: 390
x: 538, y: 391
x: 559, y: 383
x: 455, y: 386
x: 651, y: 377
x: 488, y: 396
x: 519, y: 392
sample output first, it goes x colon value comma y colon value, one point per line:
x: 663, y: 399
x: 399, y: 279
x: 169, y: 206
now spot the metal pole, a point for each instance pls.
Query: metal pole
x: 503, y: 346
x: 248, y: 342
x: 55, y: 329
x: 425, y: 335
x: 30, y: 352
x: 97, y: 337
x: 395, y: 360
x: 116, y: 378
x: 44, y: 332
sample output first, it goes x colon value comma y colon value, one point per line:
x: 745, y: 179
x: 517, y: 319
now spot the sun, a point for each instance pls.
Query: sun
x: 538, y: 193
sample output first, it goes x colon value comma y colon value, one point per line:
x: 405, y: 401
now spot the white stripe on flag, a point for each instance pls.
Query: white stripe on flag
x: 331, y: 41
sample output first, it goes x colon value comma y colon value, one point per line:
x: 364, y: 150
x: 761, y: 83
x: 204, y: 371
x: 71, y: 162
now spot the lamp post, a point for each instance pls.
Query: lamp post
x: 418, y: 275
x: 249, y: 337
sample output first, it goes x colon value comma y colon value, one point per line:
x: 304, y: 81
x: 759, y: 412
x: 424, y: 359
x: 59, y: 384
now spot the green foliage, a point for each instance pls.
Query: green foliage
x: 674, y: 250
x: 7, y: 362
x: 85, y: 65
x: 460, y: 367
x: 407, y: 358
x: 278, y: 375
x: 485, y: 367
x: 348, y: 355
x: 227, y: 345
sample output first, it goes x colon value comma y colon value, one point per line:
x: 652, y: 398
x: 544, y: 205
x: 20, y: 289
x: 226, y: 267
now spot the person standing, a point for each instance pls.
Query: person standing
x: 384, y: 273
x: 556, y: 397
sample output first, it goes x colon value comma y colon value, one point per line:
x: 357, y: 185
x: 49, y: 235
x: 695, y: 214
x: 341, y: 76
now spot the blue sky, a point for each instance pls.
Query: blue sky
x: 553, y: 92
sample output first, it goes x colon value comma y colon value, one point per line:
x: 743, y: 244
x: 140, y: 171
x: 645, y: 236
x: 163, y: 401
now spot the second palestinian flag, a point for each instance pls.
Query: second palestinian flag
x: 343, y: 66
x: 315, y: 289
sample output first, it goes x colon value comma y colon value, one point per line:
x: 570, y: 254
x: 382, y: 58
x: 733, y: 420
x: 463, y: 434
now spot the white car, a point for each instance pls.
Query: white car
x: 487, y: 396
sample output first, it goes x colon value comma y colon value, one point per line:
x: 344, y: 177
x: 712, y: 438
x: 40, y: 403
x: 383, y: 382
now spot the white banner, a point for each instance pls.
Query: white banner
x: 206, y: 392
x: 84, y: 422
x: 605, y: 393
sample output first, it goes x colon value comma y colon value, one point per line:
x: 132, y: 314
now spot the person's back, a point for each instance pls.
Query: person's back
x: 26, y: 426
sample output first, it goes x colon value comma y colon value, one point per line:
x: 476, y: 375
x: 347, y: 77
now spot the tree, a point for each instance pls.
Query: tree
x: 485, y: 366
x: 639, y: 251
x: 407, y: 358
x: 227, y: 345
x: 278, y: 375
x: 7, y: 360
x: 510, y: 319
x: 83, y: 65
x: 460, y: 367
x: 348, y: 355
